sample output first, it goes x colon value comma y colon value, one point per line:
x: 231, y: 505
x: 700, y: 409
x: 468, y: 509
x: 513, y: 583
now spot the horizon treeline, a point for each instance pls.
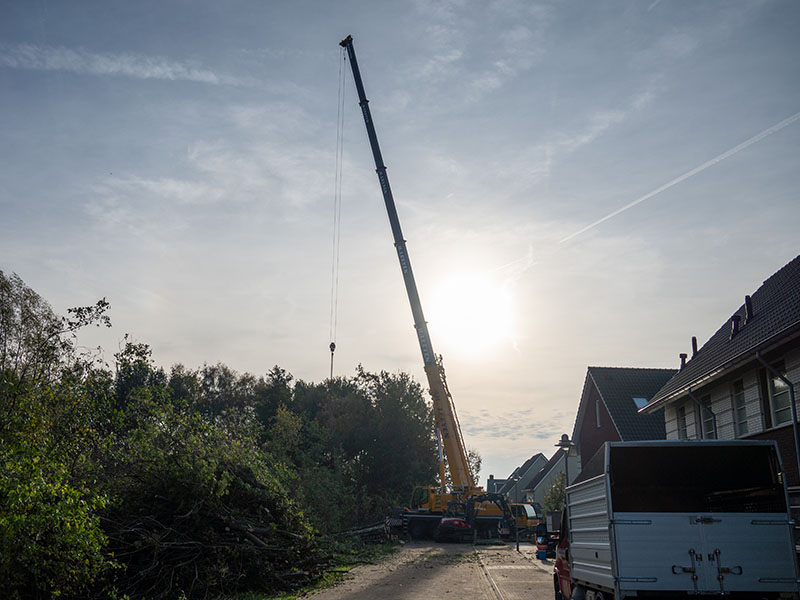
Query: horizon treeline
x: 126, y: 480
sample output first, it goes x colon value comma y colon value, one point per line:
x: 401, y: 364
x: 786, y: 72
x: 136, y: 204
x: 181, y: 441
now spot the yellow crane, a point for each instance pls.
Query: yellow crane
x: 431, y: 502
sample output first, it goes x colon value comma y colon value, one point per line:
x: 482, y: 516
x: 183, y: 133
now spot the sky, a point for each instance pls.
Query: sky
x: 579, y: 184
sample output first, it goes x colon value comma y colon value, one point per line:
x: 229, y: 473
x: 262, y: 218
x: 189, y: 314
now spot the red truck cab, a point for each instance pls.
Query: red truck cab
x: 562, y: 583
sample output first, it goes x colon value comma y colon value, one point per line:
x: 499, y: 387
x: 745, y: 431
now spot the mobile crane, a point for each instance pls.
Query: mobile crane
x: 428, y: 504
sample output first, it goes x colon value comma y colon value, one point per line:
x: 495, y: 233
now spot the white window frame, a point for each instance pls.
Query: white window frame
x: 739, y: 406
x: 680, y: 417
x: 779, y: 398
x: 705, y: 419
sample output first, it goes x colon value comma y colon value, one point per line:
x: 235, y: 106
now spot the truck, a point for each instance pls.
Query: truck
x: 429, y: 504
x: 678, y: 518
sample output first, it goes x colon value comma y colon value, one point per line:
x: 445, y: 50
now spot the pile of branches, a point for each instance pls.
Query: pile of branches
x: 177, y: 541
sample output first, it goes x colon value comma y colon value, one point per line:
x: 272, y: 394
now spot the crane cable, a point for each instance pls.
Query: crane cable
x: 337, y: 208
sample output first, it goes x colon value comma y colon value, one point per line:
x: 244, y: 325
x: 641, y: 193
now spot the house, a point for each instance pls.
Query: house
x: 739, y: 384
x: 540, y: 485
x: 609, y: 409
x: 492, y: 484
x: 515, y: 483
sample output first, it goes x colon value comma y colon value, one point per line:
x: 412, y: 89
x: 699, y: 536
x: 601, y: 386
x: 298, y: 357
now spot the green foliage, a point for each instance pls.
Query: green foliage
x: 141, y: 484
x: 50, y: 537
x: 556, y: 495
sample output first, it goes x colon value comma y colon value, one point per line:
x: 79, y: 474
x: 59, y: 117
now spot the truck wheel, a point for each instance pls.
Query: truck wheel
x: 416, y: 530
x: 557, y: 586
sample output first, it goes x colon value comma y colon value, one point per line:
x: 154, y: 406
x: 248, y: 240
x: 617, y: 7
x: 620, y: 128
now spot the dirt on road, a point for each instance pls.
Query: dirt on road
x: 426, y: 570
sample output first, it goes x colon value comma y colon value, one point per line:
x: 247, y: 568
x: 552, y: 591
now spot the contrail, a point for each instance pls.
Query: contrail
x: 685, y: 176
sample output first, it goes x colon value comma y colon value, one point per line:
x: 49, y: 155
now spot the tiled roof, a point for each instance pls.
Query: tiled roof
x: 558, y: 455
x: 509, y: 483
x: 618, y: 386
x: 776, y: 314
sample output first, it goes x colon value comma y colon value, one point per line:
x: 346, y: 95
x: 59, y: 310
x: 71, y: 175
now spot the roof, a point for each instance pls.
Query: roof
x: 554, y: 460
x: 618, y: 386
x: 776, y: 316
x: 520, y: 471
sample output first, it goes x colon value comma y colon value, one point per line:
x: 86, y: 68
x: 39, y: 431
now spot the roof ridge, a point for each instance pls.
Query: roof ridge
x: 634, y: 368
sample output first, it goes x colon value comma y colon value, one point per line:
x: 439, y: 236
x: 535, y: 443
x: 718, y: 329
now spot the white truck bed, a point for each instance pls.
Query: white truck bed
x: 744, y: 545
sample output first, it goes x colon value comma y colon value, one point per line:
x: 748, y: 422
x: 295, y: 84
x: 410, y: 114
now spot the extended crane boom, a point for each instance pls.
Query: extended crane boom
x: 447, y: 425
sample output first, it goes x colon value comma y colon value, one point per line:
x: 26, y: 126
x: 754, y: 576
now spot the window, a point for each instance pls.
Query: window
x: 597, y: 411
x: 779, y: 397
x: 682, y: 434
x: 640, y: 402
x: 739, y: 408
x: 706, y: 418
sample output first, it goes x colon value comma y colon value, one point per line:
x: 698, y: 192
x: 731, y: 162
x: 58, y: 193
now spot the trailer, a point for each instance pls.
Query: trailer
x: 678, y: 518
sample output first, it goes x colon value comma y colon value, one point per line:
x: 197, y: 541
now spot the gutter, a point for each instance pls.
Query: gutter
x: 791, y: 332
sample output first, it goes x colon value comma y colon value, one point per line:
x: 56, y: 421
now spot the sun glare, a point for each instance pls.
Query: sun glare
x: 470, y: 314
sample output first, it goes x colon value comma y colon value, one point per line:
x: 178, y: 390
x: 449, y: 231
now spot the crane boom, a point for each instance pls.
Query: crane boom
x: 447, y: 425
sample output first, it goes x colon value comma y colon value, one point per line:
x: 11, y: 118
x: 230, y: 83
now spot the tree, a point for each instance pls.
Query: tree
x: 555, y: 496
x: 34, y: 341
x: 475, y: 461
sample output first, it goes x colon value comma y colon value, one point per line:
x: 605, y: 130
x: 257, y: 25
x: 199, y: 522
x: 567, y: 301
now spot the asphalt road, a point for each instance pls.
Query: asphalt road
x: 427, y: 570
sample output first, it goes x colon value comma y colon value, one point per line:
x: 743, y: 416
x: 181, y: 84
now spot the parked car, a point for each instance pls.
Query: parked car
x: 453, y: 529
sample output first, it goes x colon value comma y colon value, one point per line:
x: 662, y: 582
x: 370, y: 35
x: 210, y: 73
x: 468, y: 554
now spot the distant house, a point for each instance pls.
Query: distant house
x: 515, y: 483
x: 539, y: 486
x: 493, y: 485
x: 609, y: 409
x: 731, y: 387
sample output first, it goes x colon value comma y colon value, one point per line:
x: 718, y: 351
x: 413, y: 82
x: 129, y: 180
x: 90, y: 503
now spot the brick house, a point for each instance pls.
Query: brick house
x: 609, y: 409
x: 735, y: 385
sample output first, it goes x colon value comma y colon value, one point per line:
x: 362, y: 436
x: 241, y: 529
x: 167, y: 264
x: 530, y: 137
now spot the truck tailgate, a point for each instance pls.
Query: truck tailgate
x: 703, y: 553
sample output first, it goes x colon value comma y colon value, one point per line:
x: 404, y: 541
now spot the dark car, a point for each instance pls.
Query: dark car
x: 453, y: 529
x: 454, y: 526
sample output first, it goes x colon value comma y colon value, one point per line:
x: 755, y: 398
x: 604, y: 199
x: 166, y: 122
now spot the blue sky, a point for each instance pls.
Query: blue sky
x: 178, y: 158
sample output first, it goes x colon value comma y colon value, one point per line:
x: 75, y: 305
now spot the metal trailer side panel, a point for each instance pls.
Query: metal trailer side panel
x: 589, y: 543
x: 715, y: 553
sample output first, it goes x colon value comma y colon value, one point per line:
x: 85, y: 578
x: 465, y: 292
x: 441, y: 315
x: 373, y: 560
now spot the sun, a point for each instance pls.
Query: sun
x: 470, y: 314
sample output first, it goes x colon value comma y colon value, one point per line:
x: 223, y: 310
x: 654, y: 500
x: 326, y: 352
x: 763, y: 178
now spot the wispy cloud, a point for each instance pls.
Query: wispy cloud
x: 48, y: 58
x: 516, y: 45
x: 691, y: 173
x: 511, y: 425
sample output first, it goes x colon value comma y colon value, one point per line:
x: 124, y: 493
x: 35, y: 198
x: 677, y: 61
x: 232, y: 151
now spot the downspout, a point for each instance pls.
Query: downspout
x: 791, y: 402
x: 702, y: 408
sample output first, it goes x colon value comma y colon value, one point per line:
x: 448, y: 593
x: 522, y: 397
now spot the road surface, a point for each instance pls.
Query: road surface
x: 426, y: 570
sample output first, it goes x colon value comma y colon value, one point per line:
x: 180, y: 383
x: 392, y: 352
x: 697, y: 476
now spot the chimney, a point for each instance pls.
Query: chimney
x: 748, y: 309
x: 683, y: 360
x: 735, y: 325
x: 694, y: 346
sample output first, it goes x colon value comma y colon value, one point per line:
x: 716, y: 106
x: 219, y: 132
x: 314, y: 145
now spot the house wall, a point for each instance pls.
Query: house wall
x: 538, y: 494
x: 515, y: 493
x: 591, y: 437
x: 721, y: 392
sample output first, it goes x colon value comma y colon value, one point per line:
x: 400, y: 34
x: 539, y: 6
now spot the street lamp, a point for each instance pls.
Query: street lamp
x: 566, y: 444
x: 515, y: 479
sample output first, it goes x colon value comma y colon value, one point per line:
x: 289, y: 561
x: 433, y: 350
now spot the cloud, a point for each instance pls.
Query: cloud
x: 511, y: 425
x: 691, y: 173
x: 461, y: 50
x: 48, y: 58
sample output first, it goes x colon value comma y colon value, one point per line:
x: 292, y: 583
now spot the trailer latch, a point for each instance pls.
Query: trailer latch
x: 707, y: 520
